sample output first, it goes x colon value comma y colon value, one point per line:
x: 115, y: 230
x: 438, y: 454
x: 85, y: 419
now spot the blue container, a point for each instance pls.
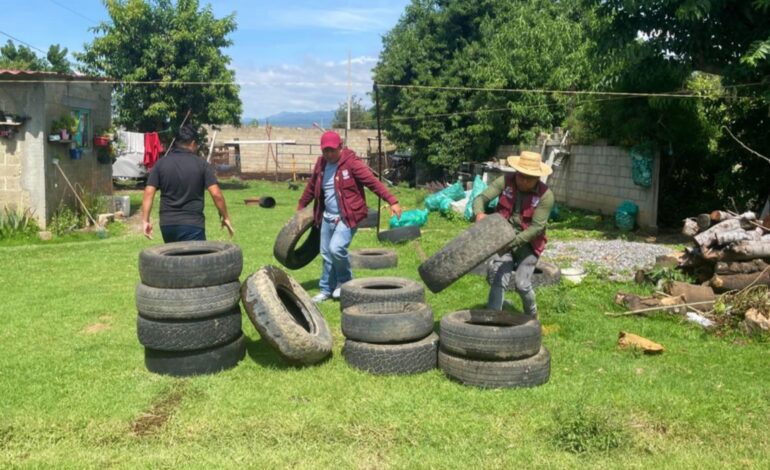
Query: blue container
x: 76, y: 153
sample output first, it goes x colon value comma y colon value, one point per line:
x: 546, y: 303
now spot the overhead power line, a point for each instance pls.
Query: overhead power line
x: 75, y: 12
x: 23, y: 42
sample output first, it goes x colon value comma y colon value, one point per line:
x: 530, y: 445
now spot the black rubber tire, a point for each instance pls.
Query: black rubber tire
x: 286, y: 317
x: 546, y: 274
x: 189, y: 335
x: 528, y: 372
x: 373, y: 258
x: 199, y: 362
x: 397, y: 359
x: 371, y: 219
x: 399, y: 234
x: 380, y: 289
x: 466, y: 251
x: 490, y: 334
x: 387, y: 322
x: 285, y: 248
x: 267, y: 202
x: 186, y: 304
x: 183, y: 265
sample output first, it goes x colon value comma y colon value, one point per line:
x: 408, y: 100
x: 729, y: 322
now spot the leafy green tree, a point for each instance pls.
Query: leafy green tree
x: 708, y: 47
x: 486, y: 44
x: 164, y: 42
x: 360, y: 117
x: 24, y: 58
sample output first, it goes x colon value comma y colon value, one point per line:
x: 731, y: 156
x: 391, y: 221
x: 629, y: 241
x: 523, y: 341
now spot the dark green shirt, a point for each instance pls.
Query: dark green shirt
x: 539, y: 218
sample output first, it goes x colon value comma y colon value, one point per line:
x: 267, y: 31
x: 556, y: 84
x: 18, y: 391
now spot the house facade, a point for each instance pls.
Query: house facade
x: 32, y: 104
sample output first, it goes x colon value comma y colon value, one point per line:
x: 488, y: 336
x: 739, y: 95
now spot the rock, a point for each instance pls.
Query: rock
x: 119, y: 215
x: 755, y: 321
x: 632, y: 341
x: 103, y: 219
x: 45, y: 236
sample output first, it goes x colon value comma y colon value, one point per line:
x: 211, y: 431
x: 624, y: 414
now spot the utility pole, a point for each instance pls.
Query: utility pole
x: 350, y: 85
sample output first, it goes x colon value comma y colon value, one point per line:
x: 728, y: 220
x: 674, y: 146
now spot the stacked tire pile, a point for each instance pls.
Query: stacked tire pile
x: 387, y: 326
x: 493, y: 349
x: 189, y: 317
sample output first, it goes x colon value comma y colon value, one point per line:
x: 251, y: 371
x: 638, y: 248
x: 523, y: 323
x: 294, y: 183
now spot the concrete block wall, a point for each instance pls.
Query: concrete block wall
x: 87, y: 172
x: 28, y: 178
x: 256, y: 158
x: 598, y: 178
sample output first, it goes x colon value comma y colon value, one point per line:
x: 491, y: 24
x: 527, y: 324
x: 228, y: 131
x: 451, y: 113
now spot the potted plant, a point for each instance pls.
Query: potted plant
x: 65, y: 126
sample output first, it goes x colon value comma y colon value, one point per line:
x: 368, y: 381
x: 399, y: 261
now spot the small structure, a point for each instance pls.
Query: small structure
x: 32, y: 104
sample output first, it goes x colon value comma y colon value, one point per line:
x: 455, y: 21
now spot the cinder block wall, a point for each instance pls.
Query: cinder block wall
x: 598, y: 178
x: 256, y: 158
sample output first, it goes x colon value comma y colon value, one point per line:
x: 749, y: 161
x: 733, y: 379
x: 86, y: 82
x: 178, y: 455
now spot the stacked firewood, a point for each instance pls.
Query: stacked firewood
x: 731, y: 252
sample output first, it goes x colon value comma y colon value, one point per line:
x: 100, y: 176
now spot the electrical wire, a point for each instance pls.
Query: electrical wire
x: 23, y: 42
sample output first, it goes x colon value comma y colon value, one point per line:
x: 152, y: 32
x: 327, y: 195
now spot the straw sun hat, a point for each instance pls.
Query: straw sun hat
x: 529, y: 163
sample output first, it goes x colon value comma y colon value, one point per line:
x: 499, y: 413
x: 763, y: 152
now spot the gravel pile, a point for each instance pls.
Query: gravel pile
x: 621, y: 258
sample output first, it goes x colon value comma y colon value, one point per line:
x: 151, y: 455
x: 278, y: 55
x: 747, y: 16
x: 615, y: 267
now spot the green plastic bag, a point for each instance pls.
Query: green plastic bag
x: 433, y: 202
x: 446, y: 206
x: 478, y: 187
x: 642, y: 160
x: 625, y: 216
x: 454, y: 192
x: 416, y: 217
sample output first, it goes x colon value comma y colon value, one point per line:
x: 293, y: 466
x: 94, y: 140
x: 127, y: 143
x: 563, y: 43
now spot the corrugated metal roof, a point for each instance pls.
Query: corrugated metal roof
x: 33, y: 74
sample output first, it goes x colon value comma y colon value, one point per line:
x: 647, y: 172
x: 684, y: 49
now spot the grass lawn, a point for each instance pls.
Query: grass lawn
x: 75, y: 392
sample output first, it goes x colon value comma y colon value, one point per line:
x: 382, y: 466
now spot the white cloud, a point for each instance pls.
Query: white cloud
x: 312, y: 85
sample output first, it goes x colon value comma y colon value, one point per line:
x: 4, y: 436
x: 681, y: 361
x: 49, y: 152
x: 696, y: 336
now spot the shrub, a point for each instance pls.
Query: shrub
x: 17, y: 223
x: 580, y: 430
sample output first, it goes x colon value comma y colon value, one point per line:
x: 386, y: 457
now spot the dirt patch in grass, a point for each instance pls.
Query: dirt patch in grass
x: 151, y: 421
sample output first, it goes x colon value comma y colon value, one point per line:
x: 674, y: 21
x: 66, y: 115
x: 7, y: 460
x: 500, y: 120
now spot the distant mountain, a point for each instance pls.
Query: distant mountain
x: 305, y: 120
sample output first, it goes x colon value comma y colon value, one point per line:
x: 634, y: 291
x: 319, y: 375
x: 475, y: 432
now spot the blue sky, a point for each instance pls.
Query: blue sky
x: 292, y: 55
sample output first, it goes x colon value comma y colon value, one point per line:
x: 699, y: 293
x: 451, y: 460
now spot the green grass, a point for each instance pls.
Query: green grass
x: 75, y: 392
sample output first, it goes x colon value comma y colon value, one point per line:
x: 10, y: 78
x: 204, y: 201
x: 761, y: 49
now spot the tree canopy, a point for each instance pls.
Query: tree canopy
x: 360, y: 117
x: 24, y: 58
x: 165, y: 42
x: 538, y: 44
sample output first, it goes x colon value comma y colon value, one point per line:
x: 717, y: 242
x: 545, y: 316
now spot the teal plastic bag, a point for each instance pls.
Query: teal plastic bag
x: 446, y: 206
x: 642, y: 160
x: 478, y: 187
x: 433, y: 202
x: 416, y: 217
x: 454, y: 192
x: 625, y: 216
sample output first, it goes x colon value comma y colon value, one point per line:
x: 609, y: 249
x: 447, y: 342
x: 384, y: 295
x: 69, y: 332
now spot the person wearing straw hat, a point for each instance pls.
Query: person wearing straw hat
x: 526, y: 203
x: 337, y: 187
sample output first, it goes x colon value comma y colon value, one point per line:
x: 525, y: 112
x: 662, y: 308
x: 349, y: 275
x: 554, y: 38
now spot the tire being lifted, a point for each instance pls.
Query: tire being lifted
x: 285, y: 248
x: 466, y: 251
x: 185, y: 265
x: 286, y: 317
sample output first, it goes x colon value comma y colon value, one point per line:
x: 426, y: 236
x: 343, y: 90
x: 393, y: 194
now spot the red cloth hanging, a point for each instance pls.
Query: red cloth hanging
x: 152, y: 149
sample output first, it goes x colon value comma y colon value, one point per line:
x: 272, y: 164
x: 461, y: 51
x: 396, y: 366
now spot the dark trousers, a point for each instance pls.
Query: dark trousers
x: 182, y: 233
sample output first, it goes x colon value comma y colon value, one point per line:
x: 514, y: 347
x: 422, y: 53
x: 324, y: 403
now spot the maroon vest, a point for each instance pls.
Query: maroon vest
x: 507, y: 204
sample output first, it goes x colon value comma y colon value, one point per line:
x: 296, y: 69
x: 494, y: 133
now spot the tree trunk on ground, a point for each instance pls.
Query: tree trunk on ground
x: 707, y: 238
x: 723, y: 283
x: 733, y: 236
x: 752, y: 249
x: 703, y: 221
x: 692, y: 293
x: 741, y: 267
x: 690, y: 228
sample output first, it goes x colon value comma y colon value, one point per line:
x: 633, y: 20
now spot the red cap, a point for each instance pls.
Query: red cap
x: 330, y: 139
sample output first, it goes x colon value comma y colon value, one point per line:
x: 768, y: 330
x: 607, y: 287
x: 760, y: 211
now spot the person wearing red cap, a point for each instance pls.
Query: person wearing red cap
x: 337, y: 187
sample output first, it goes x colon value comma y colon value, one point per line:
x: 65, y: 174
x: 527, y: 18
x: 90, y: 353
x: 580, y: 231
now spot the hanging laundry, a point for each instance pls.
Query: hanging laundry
x: 152, y: 149
x: 134, y: 142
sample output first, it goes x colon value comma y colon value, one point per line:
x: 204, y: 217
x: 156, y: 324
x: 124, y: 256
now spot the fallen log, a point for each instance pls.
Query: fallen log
x: 703, y: 221
x: 703, y: 296
x: 690, y: 228
x: 719, y: 216
x: 724, y: 283
x: 707, y: 238
x: 740, y: 267
x: 752, y: 249
x: 733, y: 236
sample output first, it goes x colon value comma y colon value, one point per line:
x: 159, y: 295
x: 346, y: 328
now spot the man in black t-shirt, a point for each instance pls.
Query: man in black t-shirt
x: 182, y: 176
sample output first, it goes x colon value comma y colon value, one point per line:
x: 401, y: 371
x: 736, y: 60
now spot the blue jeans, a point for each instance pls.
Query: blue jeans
x: 523, y: 261
x: 182, y: 233
x: 335, y: 240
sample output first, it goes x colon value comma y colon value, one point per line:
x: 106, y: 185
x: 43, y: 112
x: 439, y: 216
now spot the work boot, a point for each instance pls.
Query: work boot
x: 336, y: 294
x: 320, y: 297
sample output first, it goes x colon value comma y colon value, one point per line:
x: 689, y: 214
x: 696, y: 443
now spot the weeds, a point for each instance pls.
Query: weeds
x: 63, y: 221
x: 581, y: 429
x: 17, y: 223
